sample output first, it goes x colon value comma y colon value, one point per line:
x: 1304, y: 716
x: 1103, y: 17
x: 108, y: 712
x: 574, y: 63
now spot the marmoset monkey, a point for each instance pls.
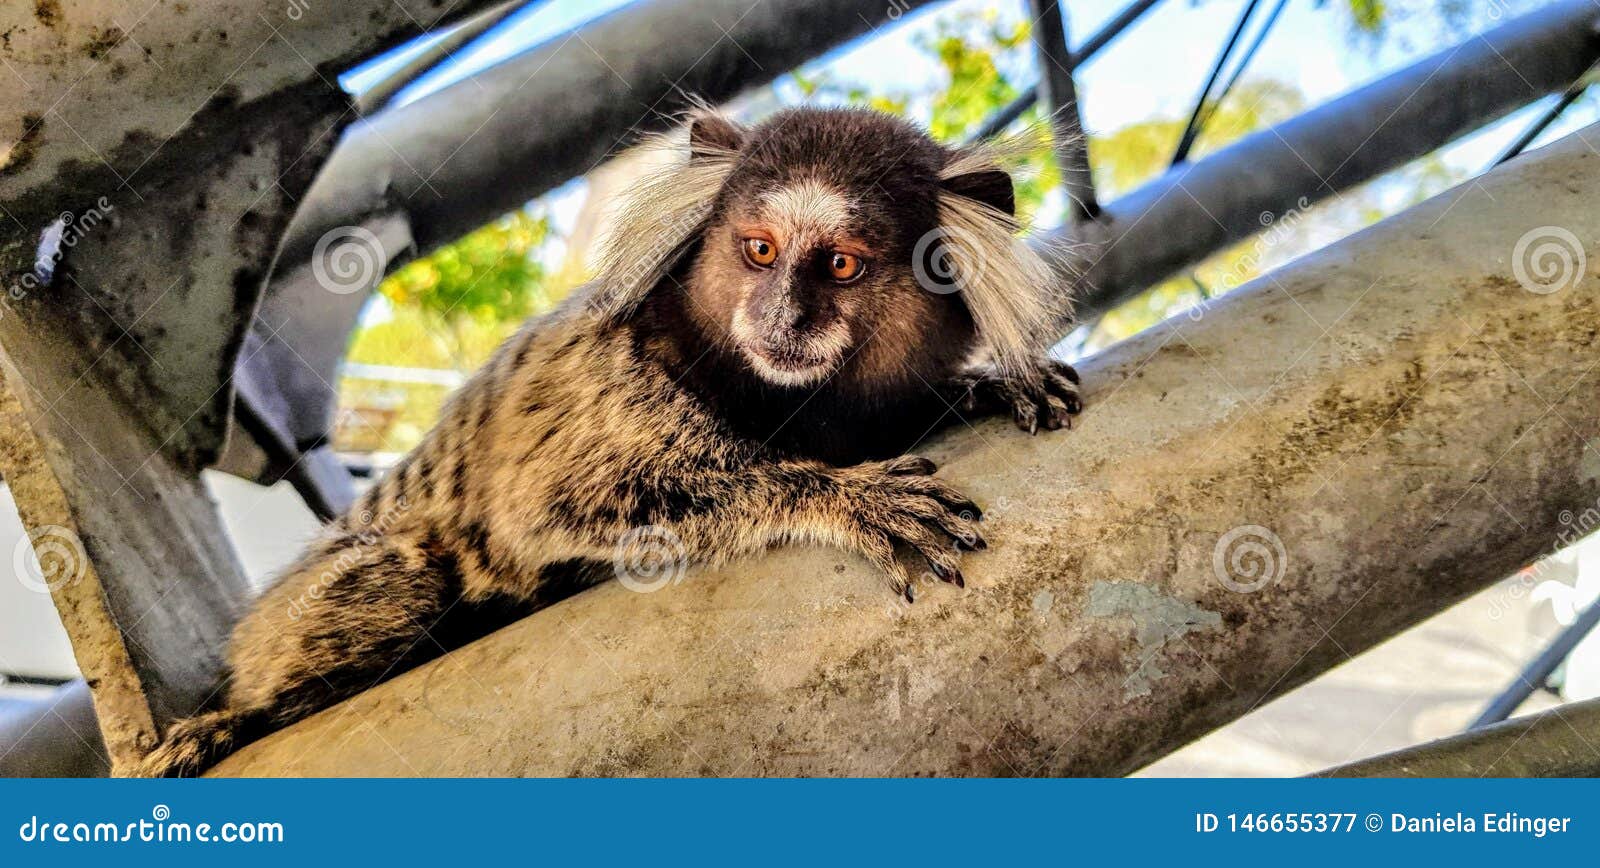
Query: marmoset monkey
x: 780, y: 314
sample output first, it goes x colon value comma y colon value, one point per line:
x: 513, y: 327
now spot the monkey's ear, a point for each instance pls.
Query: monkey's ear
x: 662, y: 213
x: 712, y: 135
x: 990, y: 187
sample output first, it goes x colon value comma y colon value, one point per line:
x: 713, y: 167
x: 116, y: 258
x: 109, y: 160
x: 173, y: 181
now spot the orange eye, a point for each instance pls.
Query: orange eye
x: 844, y: 267
x: 760, y: 252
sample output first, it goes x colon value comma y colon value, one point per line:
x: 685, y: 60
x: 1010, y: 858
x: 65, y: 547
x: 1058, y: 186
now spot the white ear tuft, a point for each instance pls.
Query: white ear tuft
x: 1016, y: 300
x: 659, y: 218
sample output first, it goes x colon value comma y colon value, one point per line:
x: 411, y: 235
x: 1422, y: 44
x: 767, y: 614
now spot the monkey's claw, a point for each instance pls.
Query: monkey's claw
x: 899, y: 504
x: 1049, y: 398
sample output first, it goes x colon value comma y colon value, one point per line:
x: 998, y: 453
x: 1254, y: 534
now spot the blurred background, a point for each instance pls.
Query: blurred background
x: 949, y: 68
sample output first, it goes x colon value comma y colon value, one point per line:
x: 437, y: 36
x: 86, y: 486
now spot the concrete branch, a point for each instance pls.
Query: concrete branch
x: 1314, y: 463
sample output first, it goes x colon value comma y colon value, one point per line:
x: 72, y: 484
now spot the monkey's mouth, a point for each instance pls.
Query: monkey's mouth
x: 792, y: 357
x: 789, y: 365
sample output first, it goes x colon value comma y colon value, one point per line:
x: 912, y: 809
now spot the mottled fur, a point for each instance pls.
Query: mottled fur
x: 638, y: 404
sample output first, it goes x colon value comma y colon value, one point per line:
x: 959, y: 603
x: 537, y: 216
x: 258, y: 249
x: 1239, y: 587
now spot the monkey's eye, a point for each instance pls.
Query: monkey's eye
x: 844, y: 267
x: 761, y: 252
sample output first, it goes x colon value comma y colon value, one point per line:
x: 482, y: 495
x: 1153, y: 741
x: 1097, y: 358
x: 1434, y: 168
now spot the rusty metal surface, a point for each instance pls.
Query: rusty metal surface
x: 167, y: 144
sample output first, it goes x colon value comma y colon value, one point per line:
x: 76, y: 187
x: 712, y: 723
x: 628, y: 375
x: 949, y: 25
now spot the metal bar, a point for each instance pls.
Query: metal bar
x: 1200, y: 207
x: 444, y: 48
x: 55, y: 736
x: 1060, y: 96
x: 1567, y: 98
x: 1538, y: 672
x: 185, y: 64
x: 1244, y: 61
x: 1192, y: 128
x: 201, y: 169
x: 1008, y: 115
x: 1558, y: 743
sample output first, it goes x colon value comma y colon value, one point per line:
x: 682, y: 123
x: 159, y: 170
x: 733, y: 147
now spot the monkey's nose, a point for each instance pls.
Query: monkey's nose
x: 784, y: 318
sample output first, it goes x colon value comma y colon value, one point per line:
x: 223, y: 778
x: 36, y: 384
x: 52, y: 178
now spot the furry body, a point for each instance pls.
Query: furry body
x: 671, y: 406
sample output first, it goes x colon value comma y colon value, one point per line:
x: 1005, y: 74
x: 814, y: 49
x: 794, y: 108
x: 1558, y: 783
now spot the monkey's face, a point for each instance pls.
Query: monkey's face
x: 806, y: 271
x: 794, y: 294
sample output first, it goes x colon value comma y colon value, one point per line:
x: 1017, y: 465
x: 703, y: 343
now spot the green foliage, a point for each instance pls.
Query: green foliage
x: 410, y: 338
x: 1127, y: 157
x: 449, y: 310
x: 970, y: 48
x: 490, y: 274
x: 414, y: 338
x: 1368, y: 15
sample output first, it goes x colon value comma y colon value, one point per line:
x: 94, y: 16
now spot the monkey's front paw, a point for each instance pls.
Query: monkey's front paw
x: 900, y: 503
x: 1050, y: 398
